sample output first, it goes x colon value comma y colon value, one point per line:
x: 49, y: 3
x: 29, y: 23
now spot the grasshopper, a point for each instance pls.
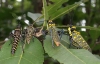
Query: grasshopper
x: 53, y: 33
x: 76, y: 39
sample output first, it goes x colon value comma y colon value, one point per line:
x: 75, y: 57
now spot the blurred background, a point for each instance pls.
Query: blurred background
x: 87, y: 14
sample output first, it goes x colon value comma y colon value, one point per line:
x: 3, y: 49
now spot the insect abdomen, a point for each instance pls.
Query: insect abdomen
x: 14, y: 45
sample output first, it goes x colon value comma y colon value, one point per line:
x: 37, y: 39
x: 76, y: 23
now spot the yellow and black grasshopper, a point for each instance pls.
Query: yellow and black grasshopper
x: 16, y: 38
x: 76, y: 39
x: 53, y: 33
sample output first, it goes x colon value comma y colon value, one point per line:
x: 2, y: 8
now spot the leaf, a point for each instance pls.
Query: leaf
x: 57, y: 4
x: 51, y: 8
x: 69, y: 56
x: 33, y: 54
x: 34, y: 16
x: 45, y: 12
x: 56, y: 10
x: 64, y: 10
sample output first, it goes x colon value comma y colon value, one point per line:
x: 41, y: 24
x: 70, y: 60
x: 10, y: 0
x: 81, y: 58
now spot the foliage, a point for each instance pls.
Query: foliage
x: 33, y: 52
x: 70, y: 56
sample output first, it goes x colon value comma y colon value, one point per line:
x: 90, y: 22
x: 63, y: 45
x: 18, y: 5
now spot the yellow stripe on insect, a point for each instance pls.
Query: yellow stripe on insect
x: 69, y: 30
x: 74, y: 27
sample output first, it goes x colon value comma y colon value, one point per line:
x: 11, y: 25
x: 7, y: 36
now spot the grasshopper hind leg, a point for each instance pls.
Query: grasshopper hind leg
x: 52, y: 43
x: 52, y: 38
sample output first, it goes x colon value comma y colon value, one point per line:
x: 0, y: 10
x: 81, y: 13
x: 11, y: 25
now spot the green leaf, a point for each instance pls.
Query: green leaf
x: 64, y: 10
x: 33, y: 54
x: 56, y: 10
x: 34, y: 16
x: 57, y: 4
x: 69, y: 56
x: 45, y: 12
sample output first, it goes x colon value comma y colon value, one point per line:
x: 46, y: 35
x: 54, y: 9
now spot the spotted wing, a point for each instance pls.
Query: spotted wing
x: 79, y: 41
